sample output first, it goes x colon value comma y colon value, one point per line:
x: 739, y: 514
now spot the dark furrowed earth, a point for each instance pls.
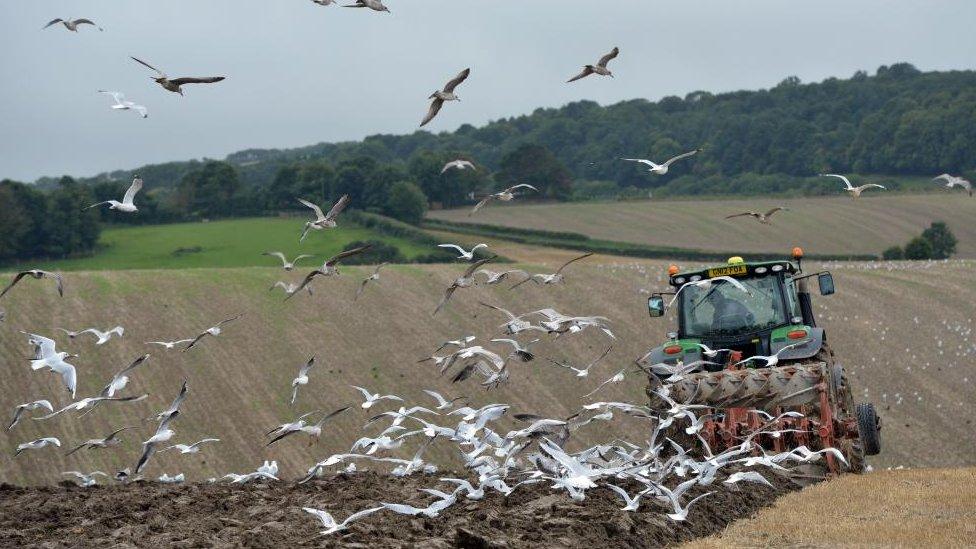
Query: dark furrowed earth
x: 143, y: 514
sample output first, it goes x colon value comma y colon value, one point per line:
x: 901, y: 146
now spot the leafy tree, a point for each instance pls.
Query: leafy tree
x: 942, y: 240
x: 536, y: 166
x: 406, y: 202
x: 209, y: 191
x: 71, y: 229
x: 894, y: 252
x: 918, y: 248
x: 380, y: 252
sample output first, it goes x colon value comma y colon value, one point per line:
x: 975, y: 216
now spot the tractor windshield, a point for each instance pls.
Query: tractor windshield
x: 722, y: 309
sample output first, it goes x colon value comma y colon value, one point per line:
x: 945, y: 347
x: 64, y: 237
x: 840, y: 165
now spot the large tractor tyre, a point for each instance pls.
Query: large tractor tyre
x: 867, y: 426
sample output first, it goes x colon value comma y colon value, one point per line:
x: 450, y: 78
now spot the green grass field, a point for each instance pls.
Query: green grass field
x: 230, y: 243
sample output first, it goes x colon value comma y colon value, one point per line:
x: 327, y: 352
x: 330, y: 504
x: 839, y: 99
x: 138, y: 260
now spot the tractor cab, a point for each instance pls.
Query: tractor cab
x: 755, y: 308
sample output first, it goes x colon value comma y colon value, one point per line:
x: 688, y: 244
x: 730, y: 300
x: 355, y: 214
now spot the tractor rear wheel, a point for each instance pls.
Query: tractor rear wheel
x: 867, y: 426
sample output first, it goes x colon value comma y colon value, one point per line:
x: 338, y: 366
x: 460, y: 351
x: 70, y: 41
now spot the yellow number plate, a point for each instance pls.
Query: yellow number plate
x: 732, y: 270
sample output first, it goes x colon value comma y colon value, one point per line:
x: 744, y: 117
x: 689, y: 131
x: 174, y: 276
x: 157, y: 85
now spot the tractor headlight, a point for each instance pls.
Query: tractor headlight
x: 777, y: 268
x: 679, y: 280
x: 694, y: 278
x: 761, y: 270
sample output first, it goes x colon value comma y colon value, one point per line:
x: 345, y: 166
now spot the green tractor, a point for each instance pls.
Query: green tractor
x: 773, y: 377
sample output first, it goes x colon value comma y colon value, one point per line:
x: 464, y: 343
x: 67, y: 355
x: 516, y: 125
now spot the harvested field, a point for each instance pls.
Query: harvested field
x: 836, y: 225
x: 196, y: 515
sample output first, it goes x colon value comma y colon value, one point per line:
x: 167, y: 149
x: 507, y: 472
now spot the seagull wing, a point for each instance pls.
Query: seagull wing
x: 435, y: 107
x: 279, y: 255
x: 585, y: 72
x: 608, y: 57
x: 584, y: 256
x: 196, y: 80
x: 315, y: 208
x: 141, y: 62
x: 348, y: 253
x: 481, y: 204
x: 338, y: 207
x: 846, y: 181
x: 680, y: 156
x: 449, y: 87
x: 475, y: 266
x: 455, y: 246
x: 642, y: 161
x: 134, y: 188
x: 743, y: 214
x: 53, y: 22
x: 305, y: 282
x: 774, y: 210
x: 14, y: 282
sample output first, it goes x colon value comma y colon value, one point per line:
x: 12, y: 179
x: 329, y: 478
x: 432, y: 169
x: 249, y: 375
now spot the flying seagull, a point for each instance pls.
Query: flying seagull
x: 126, y: 205
x: 459, y: 164
x: 373, y: 398
x: 289, y: 287
x: 582, y: 372
x: 854, y: 191
x: 329, y: 268
x: 760, y: 216
x: 447, y: 94
x: 661, y: 169
x: 773, y: 359
x: 442, y: 403
x: 465, y: 255
x: 121, y: 379
x: 163, y: 433
x: 375, y: 5
x: 46, y: 356
x: 72, y: 25
x: 174, y: 84
x: 371, y: 278
x: 190, y: 448
x: 553, y: 278
x: 85, y: 480
x: 90, y: 402
x: 302, y: 378
x: 285, y: 264
x: 506, y: 195
x: 323, y: 221
x: 212, y: 331
x: 953, y: 181
x: 494, y: 277
x: 121, y: 104
x: 37, y: 444
x: 36, y: 274
x: 314, y: 430
x: 101, y: 336
x: 95, y: 443
x: 600, y: 67
x: 22, y: 408
x: 464, y: 281
x: 169, y: 344
x: 330, y: 524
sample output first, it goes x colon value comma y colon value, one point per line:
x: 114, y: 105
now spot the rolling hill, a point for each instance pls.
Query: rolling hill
x: 835, y: 225
x: 905, y: 330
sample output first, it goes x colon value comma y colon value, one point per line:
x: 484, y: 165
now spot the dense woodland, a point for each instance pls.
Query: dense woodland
x: 897, y: 122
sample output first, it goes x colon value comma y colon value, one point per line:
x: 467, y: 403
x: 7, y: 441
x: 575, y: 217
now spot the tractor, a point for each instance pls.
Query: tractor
x: 767, y: 371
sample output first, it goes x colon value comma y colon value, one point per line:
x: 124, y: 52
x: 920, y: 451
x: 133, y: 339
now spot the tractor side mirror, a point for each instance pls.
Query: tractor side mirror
x: 826, y: 281
x: 655, y: 305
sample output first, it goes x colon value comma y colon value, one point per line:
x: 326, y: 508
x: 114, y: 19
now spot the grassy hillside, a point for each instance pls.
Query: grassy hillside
x: 821, y: 225
x: 239, y: 382
x: 229, y: 243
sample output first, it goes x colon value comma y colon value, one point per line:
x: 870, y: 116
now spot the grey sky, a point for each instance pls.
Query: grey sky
x: 298, y: 73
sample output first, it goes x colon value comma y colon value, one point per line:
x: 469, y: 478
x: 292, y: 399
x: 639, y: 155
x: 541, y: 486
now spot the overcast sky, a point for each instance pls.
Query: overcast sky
x: 298, y: 73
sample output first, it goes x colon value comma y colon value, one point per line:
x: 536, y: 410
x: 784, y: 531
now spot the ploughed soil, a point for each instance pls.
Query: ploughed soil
x: 144, y: 514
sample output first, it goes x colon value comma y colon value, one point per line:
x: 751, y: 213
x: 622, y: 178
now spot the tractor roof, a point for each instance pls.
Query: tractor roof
x: 735, y: 267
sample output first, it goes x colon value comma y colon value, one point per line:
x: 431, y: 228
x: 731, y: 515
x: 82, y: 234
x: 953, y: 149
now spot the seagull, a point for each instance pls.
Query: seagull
x: 72, y: 25
x: 314, y: 430
x: 760, y: 217
x: 103, y: 337
x: 287, y: 265
x: 506, y: 195
x: 854, y: 191
x: 680, y: 514
x: 45, y: 356
x: 459, y: 343
x: 583, y: 372
x: 174, y: 84
x: 22, y: 408
x: 190, y: 448
x: 711, y: 353
x: 748, y: 476
x: 174, y: 407
x: 121, y: 379
x: 169, y: 344
x: 95, y: 443
x: 90, y: 402
x: 442, y: 403
x: 431, y: 511
x: 126, y: 205
x: 373, y: 398
x: 493, y: 277
x: 459, y: 164
x: 329, y: 523
x: 329, y: 268
x: 291, y: 426
x: 447, y: 94
x: 773, y: 360
x: 212, y: 331
x: 661, y: 169
x: 373, y: 277
x: 302, y: 378
x: 615, y: 378
x: 632, y: 504
x: 289, y: 288
x: 400, y: 415
x: 375, y: 5
x: 600, y: 67
x: 323, y: 221
x: 515, y: 323
x: 553, y: 278
x: 163, y: 433
x: 37, y: 444
x: 121, y: 104
x: 166, y: 479
x: 467, y: 256
x: 36, y: 274
x: 953, y: 181
x: 466, y: 280
x: 518, y: 350
x: 85, y: 480
x: 711, y: 284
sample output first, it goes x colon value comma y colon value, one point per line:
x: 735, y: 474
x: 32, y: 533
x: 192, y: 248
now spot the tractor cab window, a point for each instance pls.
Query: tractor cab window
x: 792, y: 301
x: 722, y: 309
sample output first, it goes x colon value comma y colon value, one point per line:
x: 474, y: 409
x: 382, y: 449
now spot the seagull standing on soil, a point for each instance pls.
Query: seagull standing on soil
x: 97, y: 443
x: 375, y: 5
x: 122, y: 105
x: 72, y: 25
x: 212, y: 331
x: 323, y: 221
x: 371, y: 278
x: 85, y: 480
x: 373, y: 398
x: 953, y: 181
x: 465, y: 255
x: 102, y: 337
x: 37, y: 444
x: 600, y: 67
x: 661, y: 169
x: 329, y: 268
x: 285, y: 264
x: 761, y: 217
x: 302, y: 378
x: 174, y: 84
x: 36, y: 274
x: 855, y: 192
x: 22, y: 408
x: 447, y: 94
x: 126, y: 205
x: 466, y: 280
x: 190, y: 448
x: 506, y: 195
x: 459, y: 164
x: 554, y: 278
